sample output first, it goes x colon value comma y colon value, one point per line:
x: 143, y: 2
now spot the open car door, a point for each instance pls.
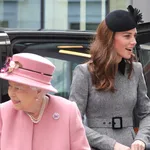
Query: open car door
x: 142, y: 51
x: 65, y: 49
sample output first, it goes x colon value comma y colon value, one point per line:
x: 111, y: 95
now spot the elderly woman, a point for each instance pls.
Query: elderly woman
x: 33, y: 119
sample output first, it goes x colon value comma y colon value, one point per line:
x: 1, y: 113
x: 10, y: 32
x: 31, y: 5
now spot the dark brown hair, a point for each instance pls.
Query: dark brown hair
x: 103, y: 64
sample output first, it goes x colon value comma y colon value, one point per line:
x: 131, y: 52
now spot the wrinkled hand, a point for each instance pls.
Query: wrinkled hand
x: 138, y: 145
x: 119, y: 146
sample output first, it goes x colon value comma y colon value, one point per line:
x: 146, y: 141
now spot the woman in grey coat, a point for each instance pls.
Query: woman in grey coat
x: 111, y: 85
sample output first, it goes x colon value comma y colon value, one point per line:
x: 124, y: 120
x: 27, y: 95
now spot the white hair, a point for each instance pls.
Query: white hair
x: 36, y: 89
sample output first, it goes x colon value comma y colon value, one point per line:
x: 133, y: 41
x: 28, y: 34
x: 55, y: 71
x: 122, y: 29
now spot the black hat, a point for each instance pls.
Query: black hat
x: 121, y: 20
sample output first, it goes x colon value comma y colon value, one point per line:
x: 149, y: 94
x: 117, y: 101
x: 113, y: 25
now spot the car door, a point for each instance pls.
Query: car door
x: 143, y: 50
x: 65, y: 49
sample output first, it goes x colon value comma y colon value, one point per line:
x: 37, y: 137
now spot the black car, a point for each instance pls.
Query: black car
x: 65, y: 49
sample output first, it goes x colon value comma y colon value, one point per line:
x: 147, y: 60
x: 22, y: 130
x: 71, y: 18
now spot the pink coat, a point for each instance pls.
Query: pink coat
x: 59, y: 129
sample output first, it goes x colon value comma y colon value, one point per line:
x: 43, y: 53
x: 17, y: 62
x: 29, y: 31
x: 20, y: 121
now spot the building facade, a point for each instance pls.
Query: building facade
x: 62, y: 14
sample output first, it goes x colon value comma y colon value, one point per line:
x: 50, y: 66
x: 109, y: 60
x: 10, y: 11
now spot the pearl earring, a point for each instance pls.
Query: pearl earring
x: 37, y: 99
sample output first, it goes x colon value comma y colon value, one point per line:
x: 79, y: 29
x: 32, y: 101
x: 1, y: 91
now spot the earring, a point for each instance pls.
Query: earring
x: 37, y: 99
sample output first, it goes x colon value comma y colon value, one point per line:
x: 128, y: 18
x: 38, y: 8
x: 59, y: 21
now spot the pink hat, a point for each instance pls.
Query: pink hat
x: 29, y: 69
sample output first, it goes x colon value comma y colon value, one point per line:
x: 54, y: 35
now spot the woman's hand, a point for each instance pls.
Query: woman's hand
x: 119, y: 146
x: 138, y: 145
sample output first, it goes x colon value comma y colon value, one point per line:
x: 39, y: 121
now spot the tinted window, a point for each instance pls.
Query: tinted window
x: 64, y: 56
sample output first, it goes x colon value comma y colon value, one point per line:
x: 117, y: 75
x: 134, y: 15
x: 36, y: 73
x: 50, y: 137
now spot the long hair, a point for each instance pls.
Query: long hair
x: 103, y: 64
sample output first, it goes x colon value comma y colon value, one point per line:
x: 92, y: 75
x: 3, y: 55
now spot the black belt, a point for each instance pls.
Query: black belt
x: 114, y: 122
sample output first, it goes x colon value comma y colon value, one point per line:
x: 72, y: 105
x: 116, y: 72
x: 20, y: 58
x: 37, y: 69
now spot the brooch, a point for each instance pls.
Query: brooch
x: 56, y: 116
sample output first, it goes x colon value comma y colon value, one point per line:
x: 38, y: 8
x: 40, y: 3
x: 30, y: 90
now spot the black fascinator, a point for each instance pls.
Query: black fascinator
x: 136, y: 14
x: 122, y: 20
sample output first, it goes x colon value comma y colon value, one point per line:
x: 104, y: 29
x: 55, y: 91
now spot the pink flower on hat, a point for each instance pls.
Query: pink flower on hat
x: 29, y: 69
x: 9, y: 65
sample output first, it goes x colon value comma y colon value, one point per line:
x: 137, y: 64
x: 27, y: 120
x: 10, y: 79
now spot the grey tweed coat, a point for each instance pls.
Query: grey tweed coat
x: 100, y: 108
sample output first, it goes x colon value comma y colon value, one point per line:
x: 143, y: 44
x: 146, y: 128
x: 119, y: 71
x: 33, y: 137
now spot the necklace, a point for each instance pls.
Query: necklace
x: 36, y: 120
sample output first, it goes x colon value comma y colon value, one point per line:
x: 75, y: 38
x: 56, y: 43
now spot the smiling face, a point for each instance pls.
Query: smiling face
x: 124, y: 42
x: 22, y: 96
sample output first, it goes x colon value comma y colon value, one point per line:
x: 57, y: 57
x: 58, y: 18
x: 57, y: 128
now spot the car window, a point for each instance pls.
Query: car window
x: 63, y: 55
